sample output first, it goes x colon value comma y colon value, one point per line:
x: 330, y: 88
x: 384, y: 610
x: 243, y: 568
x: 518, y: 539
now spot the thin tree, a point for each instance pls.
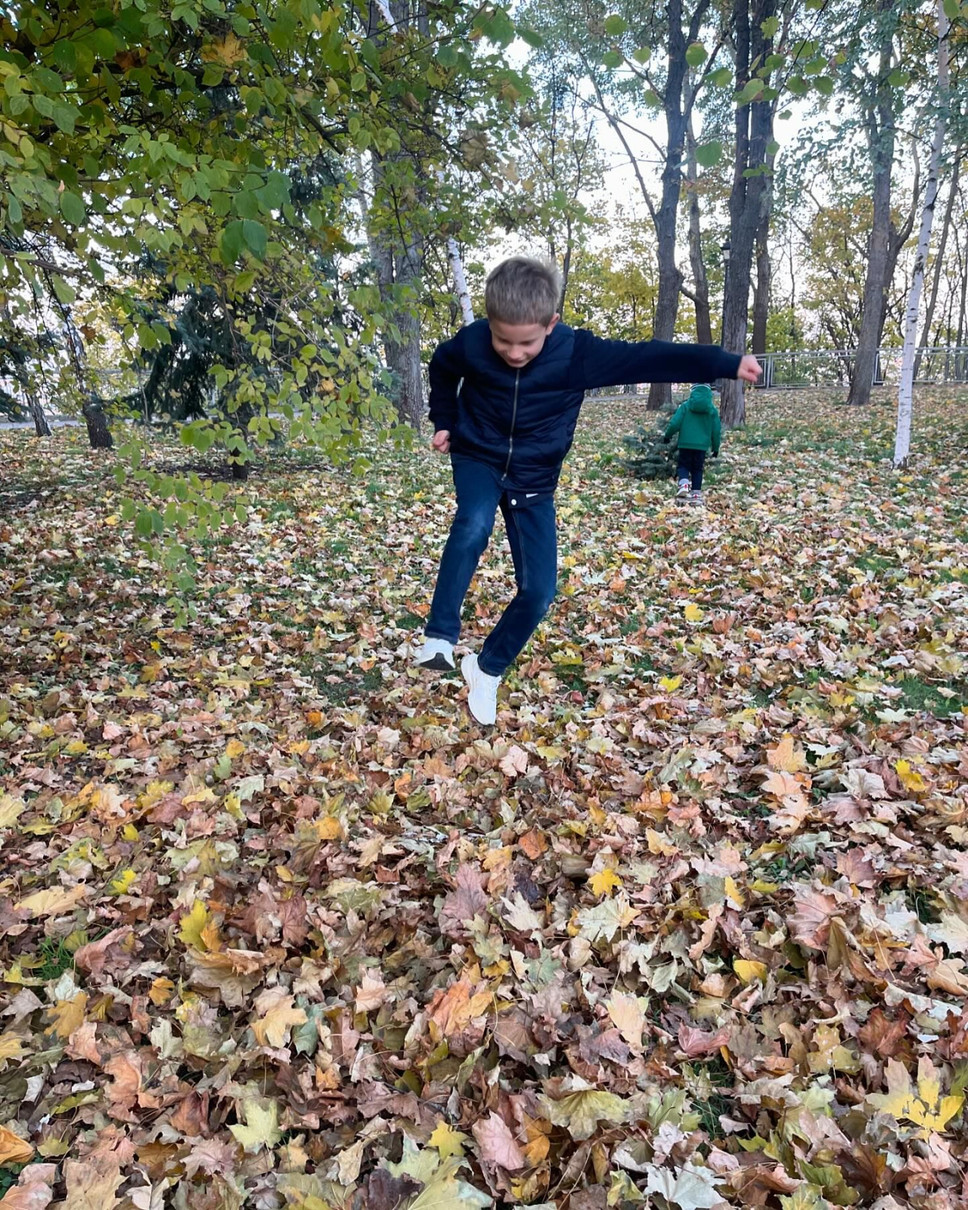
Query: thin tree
x: 905, y: 394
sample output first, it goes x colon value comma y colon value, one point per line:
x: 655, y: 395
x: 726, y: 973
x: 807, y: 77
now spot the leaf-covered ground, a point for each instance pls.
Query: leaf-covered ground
x: 280, y: 926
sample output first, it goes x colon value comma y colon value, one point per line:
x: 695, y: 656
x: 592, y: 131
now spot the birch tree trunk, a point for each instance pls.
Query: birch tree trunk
x: 905, y: 394
x: 939, y: 262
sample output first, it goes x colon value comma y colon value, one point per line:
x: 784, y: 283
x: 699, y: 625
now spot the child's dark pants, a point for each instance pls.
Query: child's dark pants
x: 530, y: 522
x: 691, y: 463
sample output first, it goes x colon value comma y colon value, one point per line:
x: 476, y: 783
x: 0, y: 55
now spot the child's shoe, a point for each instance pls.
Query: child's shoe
x: 684, y: 488
x: 696, y: 498
x: 437, y: 654
x: 482, y: 690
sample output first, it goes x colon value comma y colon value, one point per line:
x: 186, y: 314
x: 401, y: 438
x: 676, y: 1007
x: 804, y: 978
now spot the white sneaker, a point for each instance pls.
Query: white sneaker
x: 685, y: 486
x: 482, y: 690
x: 437, y: 654
x: 696, y: 498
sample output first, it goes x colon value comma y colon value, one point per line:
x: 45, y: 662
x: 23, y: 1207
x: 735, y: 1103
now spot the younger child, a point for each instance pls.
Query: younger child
x: 696, y: 420
x: 505, y: 394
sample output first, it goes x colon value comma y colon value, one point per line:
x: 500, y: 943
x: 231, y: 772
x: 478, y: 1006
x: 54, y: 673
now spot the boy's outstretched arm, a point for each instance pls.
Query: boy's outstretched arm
x: 600, y: 363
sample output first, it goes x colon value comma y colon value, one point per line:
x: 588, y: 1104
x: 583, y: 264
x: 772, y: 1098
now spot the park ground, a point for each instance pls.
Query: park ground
x: 281, y: 926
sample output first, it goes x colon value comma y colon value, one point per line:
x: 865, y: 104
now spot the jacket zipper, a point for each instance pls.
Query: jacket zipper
x: 514, y: 416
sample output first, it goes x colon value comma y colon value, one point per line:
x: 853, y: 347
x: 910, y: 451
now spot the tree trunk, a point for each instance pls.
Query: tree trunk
x: 905, y: 394
x: 880, y: 140
x: 764, y: 267
x: 749, y: 196
x: 36, y: 409
x: 939, y: 261
x: 98, y: 432
x: 670, y: 277
x: 704, y: 329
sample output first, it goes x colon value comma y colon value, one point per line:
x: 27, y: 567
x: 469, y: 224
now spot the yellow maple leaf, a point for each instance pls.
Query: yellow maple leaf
x: 234, y: 748
x: 279, y: 1015
x: 228, y: 51
x: 670, y: 683
x: 658, y: 844
x: 927, y: 1108
x: 329, y: 828
x: 161, y: 990
x: 787, y: 756
x: 693, y: 612
x: 54, y: 902
x: 122, y: 883
x: 910, y: 778
x: 604, y: 882
x: 68, y: 1015
x: 153, y: 793
x: 733, y: 893
x: 748, y: 970
x: 261, y: 1127
x: 447, y: 1140
x: 190, y: 931
x: 11, y: 1047
x: 10, y: 809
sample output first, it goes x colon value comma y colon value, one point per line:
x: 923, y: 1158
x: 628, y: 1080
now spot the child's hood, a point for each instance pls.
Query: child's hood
x: 700, y: 399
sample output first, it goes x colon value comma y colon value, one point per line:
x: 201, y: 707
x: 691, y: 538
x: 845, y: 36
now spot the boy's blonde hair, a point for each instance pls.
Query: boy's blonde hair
x: 522, y: 290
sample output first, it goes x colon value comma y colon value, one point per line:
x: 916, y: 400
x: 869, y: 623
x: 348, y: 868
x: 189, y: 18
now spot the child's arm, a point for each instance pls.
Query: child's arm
x: 717, y: 432
x: 675, y: 424
x: 601, y: 363
x: 447, y: 367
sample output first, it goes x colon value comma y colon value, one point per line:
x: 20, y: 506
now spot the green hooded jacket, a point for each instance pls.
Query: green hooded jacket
x: 696, y: 420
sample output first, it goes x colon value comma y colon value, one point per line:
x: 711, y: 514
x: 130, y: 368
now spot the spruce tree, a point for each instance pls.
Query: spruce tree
x: 648, y: 457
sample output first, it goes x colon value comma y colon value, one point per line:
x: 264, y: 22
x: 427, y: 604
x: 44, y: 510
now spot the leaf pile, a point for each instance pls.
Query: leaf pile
x: 280, y: 926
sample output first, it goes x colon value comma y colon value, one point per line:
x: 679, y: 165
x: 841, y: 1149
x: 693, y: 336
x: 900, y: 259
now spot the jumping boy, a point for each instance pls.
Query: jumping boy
x: 505, y: 394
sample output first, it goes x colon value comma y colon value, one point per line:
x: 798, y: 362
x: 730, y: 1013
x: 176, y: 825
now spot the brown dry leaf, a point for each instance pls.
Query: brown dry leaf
x: 514, y: 763
x: 454, y: 1009
x: 466, y: 901
x: 810, y: 922
x: 496, y: 1144
x: 371, y: 993
x: 33, y: 1190
x: 91, y: 1185
x: 533, y: 843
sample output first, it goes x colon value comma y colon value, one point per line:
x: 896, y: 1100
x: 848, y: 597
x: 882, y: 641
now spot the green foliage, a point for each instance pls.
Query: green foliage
x: 181, y: 138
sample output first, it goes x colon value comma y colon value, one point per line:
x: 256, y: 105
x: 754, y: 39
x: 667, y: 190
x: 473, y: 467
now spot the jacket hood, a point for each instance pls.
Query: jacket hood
x: 700, y: 399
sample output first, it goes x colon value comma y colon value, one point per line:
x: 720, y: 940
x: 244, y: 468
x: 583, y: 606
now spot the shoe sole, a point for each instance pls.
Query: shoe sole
x: 438, y: 664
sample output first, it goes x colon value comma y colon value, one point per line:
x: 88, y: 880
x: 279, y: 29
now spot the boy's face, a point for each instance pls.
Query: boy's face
x: 517, y: 344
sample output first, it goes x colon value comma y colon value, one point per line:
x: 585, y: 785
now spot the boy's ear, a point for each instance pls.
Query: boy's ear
x: 554, y: 320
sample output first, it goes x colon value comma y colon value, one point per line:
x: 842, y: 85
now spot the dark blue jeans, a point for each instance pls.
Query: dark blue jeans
x: 530, y: 522
x: 691, y: 463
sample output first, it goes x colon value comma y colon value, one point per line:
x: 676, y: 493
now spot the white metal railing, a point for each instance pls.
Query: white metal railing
x: 833, y: 367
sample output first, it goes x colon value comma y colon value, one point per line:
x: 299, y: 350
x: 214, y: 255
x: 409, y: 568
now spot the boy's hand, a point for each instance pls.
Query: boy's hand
x: 441, y: 441
x: 749, y: 369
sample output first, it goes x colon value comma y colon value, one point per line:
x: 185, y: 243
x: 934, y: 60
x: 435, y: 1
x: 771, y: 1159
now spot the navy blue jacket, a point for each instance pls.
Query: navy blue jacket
x: 521, y: 422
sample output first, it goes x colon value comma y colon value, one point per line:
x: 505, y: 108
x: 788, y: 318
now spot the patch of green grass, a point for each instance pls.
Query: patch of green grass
x: 348, y: 683
x: 56, y: 959
x: 410, y: 621
x: 919, y: 695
